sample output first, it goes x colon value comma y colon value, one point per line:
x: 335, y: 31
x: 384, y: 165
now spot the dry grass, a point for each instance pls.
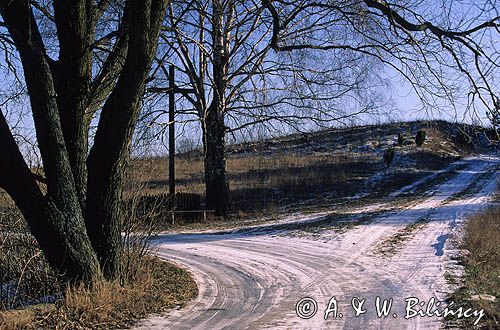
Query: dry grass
x: 26, y: 318
x: 244, y: 171
x: 24, y: 272
x: 109, y: 305
x: 265, y: 176
x: 262, y: 183
x: 481, y: 283
x: 147, y: 285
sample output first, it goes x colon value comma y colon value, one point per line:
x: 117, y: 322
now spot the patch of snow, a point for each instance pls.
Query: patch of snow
x: 255, y: 280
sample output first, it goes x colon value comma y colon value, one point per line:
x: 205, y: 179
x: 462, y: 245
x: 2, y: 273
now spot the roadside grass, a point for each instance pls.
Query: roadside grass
x: 33, y: 297
x: 24, y: 273
x: 158, y: 286
x: 25, y: 318
x: 480, y: 284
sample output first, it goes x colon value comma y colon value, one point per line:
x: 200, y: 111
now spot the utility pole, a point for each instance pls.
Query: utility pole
x: 171, y: 131
x: 172, y: 90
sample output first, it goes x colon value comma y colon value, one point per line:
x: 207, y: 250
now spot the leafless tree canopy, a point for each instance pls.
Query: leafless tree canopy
x: 443, y: 48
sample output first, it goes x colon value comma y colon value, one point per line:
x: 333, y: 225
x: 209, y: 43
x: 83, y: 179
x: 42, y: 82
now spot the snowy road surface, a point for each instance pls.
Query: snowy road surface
x: 253, y: 279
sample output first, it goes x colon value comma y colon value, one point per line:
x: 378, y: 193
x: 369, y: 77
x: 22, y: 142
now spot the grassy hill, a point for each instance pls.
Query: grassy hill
x: 324, y: 167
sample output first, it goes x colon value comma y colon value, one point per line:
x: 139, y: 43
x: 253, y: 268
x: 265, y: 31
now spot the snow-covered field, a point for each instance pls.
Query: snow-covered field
x: 253, y: 279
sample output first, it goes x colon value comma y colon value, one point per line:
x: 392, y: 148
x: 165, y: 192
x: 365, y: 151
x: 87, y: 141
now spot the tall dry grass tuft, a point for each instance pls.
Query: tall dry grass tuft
x: 480, y: 284
x: 158, y: 286
x: 482, y: 263
x: 110, y: 305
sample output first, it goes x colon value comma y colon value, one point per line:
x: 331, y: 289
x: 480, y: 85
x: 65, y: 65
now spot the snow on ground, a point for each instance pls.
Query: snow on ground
x: 253, y: 279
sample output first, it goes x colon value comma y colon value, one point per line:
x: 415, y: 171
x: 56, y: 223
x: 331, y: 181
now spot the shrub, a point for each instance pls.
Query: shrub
x: 401, y: 139
x: 389, y: 155
x: 420, y: 138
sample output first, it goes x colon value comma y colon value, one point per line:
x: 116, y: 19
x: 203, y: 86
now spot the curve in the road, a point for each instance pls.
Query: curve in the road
x: 253, y: 280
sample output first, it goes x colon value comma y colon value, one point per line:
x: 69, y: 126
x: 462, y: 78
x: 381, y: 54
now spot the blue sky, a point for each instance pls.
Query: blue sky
x: 402, y: 101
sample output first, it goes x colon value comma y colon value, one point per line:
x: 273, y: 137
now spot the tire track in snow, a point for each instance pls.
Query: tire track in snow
x: 253, y: 280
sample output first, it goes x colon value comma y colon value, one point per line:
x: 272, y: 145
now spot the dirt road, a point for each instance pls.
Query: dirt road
x: 253, y: 279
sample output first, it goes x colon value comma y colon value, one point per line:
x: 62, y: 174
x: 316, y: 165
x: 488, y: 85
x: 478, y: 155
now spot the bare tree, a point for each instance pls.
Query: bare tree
x: 104, y: 50
x: 223, y: 51
x: 445, y: 50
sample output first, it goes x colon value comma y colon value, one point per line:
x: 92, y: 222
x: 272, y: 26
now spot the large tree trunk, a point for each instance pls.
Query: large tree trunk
x: 73, y: 74
x: 216, y: 182
x: 111, y: 150
x: 77, y: 221
x: 58, y: 214
x: 59, y: 231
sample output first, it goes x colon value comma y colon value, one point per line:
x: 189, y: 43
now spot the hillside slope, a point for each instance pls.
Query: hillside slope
x: 393, y: 247
x: 301, y: 170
